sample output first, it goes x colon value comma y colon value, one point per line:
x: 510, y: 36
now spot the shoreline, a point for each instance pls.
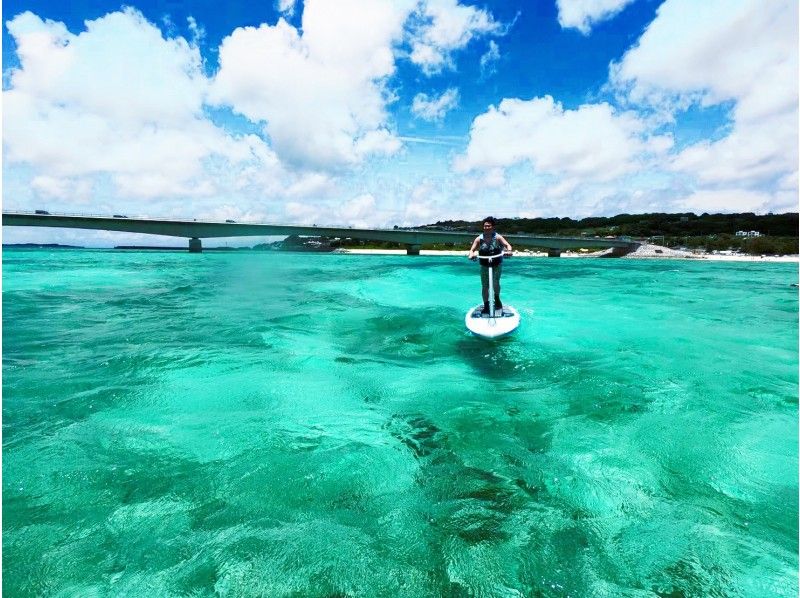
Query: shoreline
x: 647, y: 254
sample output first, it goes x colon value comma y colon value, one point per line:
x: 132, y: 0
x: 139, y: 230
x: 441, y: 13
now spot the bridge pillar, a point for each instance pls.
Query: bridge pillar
x: 412, y: 249
x: 553, y: 253
x: 195, y: 245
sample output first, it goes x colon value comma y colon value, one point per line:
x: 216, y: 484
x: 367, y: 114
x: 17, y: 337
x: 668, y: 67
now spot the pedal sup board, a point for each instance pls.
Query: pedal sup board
x: 505, y: 321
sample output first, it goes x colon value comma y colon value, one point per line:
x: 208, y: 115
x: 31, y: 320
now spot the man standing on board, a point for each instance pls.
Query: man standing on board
x: 490, y: 243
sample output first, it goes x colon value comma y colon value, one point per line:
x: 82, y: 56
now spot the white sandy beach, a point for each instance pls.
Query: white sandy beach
x: 645, y: 251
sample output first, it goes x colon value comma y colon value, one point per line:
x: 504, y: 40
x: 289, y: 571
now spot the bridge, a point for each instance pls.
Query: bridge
x: 196, y: 230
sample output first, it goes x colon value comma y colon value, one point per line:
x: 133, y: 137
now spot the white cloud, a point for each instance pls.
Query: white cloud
x: 420, y: 213
x: 561, y: 189
x: 108, y: 70
x: 434, y: 108
x: 591, y: 143
x: 583, y: 14
x: 422, y: 206
x: 596, y: 158
x: 744, y: 52
x: 749, y: 156
x: 493, y: 178
x: 116, y: 100
x: 286, y: 7
x: 444, y: 26
x: 358, y: 211
x: 227, y: 211
x: 490, y: 58
x: 311, y: 185
x: 321, y: 95
x: 377, y: 142
x: 198, y: 32
x: 119, y: 109
x: 304, y: 213
x: 724, y: 200
x: 48, y: 187
x: 423, y: 192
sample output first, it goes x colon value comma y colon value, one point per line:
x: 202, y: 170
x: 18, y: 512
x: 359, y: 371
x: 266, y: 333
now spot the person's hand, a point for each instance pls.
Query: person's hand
x: 508, y: 253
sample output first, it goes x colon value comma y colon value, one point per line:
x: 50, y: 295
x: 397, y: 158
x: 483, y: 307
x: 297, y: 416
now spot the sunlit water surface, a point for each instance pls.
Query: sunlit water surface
x: 263, y: 424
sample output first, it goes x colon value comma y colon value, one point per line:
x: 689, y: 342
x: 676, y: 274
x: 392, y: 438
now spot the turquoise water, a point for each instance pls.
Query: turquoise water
x: 261, y: 424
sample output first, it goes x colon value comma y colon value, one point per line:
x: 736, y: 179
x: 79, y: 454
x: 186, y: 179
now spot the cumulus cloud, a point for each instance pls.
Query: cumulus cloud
x: 321, y: 90
x: 95, y: 104
x: 716, y: 52
x: 434, y: 108
x: 591, y: 143
x: 320, y: 94
x: 741, y: 54
x: 112, y: 61
x: 441, y: 27
x: 122, y: 104
x: 584, y: 14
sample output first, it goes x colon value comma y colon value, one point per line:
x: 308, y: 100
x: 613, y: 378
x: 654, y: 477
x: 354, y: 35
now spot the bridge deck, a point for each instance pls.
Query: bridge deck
x: 192, y: 229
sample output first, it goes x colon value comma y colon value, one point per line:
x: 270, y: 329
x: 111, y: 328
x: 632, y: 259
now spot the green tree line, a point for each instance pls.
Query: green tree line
x: 706, y: 231
x: 640, y: 225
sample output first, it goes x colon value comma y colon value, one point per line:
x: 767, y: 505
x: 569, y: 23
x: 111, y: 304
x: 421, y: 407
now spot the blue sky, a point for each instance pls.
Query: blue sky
x: 384, y: 112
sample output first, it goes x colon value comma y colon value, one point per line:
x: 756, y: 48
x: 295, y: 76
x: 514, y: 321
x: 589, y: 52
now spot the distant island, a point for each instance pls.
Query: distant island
x: 42, y: 246
x: 769, y: 234
x: 639, y: 225
x: 747, y: 233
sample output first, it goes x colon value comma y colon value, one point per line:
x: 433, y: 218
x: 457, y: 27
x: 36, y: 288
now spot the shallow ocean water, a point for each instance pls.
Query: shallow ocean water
x: 264, y: 424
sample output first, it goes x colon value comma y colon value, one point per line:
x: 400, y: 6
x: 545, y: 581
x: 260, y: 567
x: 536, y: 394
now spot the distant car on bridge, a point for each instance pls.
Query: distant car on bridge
x: 231, y: 221
x: 45, y: 212
x: 119, y: 216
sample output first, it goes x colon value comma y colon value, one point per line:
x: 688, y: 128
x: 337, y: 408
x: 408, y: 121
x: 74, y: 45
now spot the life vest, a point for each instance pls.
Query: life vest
x: 490, y: 247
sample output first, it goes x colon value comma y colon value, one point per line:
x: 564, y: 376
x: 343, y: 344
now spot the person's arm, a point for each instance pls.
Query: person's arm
x: 502, y: 239
x: 472, y: 252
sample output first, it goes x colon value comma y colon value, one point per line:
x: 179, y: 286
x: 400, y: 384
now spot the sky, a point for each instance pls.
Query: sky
x: 396, y: 112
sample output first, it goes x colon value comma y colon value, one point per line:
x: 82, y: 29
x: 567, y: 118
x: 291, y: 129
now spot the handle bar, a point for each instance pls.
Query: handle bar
x: 491, y: 257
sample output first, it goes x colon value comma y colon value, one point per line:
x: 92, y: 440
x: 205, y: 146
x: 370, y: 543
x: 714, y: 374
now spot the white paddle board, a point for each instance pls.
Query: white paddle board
x: 505, y: 321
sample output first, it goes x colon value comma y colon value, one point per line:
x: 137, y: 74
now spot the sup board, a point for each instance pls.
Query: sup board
x: 498, y: 322
x: 505, y: 321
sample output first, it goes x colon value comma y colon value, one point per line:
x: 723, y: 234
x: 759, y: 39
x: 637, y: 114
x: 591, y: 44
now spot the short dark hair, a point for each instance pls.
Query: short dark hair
x: 490, y: 220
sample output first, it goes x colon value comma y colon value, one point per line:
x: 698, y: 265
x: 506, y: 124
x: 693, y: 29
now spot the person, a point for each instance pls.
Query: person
x: 490, y: 243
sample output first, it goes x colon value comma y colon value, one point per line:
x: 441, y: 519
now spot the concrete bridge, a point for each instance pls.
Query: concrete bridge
x: 196, y: 230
